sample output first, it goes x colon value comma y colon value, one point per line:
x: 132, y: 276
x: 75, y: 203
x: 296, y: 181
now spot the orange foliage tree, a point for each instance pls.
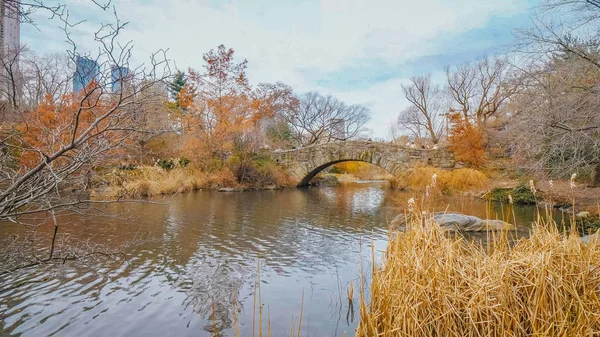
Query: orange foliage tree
x: 225, y: 109
x: 185, y: 97
x: 55, y: 124
x: 268, y: 100
x: 466, y: 141
x: 222, y: 104
x: 184, y: 111
x: 54, y: 141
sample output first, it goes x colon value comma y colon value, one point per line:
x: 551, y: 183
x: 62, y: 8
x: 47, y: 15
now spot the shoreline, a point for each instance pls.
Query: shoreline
x: 152, y: 181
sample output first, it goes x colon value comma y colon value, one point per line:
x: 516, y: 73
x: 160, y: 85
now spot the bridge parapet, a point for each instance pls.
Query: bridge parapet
x: 304, y: 163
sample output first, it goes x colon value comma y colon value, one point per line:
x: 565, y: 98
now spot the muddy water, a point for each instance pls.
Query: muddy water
x: 195, y: 264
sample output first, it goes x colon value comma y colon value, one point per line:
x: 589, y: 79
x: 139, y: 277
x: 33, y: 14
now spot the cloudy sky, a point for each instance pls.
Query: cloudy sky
x: 360, y: 51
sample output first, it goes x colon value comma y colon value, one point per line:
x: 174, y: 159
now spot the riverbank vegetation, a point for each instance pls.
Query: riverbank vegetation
x: 354, y: 170
x: 531, y: 108
x: 146, y: 181
x: 446, y: 182
x: 528, y: 112
x: 432, y: 284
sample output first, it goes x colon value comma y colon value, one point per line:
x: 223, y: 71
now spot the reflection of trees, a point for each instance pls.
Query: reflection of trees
x: 209, y: 281
x: 205, y: 245
x: 220, y: 235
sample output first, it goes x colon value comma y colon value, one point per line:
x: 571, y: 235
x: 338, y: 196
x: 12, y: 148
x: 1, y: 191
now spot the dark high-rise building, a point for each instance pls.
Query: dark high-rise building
x: 86, y: 71
x: 120, y: 76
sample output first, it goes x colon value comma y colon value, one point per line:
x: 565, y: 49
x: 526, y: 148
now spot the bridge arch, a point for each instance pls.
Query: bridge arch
x: 310, y: 175
x: 303, y: 164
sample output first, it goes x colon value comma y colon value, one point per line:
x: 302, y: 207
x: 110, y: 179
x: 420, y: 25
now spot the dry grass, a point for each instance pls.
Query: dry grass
x: 434, y: 285
x: 456, y: 181
x: 362, y: 171
x: 151, y: 180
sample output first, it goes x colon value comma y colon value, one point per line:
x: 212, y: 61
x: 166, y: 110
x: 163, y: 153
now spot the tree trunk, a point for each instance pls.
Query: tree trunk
x: 595, y: 178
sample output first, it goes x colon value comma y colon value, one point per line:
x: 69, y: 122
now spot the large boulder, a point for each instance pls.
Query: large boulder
x: 457, y: 222
x: 468, y: 223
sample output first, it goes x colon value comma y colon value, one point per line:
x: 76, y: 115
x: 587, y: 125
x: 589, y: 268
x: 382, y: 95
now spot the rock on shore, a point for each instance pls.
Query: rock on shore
x: 457, y: 222
x: 591, y: 237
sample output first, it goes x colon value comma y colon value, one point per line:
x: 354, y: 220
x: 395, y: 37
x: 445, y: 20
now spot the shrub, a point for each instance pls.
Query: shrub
x: 184, y: 162
x: 171, y: 163
x: 448, y: 182
x: 466, y: 141
x: 464, y: 180
x: 257, y: 170
x: 127, y: 167
x: 166, y: 164
x: 521, y: 194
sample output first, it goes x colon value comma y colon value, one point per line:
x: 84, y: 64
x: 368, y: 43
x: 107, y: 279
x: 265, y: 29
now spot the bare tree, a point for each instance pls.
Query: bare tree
x: 44, y: 75
x: 478, y: 90
x: 10, y: 78
x: 319, y: 119
x: 426, y: 111
x: 26, y: 79
x: 410, y: 119
x: 151, y: 120
x: 558, y: 110
x: 555, y: 119
x: 45, y: 153
x: 24, y: 10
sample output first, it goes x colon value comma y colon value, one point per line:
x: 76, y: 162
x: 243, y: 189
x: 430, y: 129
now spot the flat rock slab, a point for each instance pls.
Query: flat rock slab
x: 231, y: 189
x: 457, y: 222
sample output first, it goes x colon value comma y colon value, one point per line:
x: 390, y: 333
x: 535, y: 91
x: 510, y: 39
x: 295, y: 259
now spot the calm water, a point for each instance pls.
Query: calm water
x: 201, y: 254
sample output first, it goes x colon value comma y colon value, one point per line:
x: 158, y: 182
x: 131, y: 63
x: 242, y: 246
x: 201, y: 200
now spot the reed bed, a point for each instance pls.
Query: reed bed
x: 432, y: 284
x: 151, y: 180
x: 448, y: 182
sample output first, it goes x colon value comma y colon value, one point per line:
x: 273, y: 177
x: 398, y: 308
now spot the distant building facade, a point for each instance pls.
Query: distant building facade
x: 86, y: 71
x: 120, y: 76
x: 10, y: 25
x: 10, y: 46
x: 338, y: 128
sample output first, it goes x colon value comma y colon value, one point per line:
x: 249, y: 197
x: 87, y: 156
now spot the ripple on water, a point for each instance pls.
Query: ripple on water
x: 201, y: 253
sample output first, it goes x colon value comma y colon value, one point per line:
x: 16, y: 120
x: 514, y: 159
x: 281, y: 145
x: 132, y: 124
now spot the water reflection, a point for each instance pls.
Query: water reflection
x: 201, y: 256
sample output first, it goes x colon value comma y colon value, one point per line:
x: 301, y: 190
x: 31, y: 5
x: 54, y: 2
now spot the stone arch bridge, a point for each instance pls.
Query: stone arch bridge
x: 304, y: 163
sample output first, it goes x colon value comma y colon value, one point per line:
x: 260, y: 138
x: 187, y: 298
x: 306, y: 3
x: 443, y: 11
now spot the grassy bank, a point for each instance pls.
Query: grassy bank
x: 446, y: 182
x: 434, y: 285
x: 145, y: 181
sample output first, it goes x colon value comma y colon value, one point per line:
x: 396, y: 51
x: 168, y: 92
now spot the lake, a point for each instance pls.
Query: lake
x: 193, y: 263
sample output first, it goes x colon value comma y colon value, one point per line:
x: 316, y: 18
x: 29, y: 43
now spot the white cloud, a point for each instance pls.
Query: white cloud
x: 293, y: 40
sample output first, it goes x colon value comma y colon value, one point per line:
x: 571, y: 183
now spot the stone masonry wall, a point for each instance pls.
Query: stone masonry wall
x: 304, y: 163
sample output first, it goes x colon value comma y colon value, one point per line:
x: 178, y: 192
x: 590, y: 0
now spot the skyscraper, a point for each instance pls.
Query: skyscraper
x: 86, y: 71
x: 120, y: 76
x: 10, y: 25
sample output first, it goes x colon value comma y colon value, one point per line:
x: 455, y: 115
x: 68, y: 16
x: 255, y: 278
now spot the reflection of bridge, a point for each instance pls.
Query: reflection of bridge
x: 303, y: 164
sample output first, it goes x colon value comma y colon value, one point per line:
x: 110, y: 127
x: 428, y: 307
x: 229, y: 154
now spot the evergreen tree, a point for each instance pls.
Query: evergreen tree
x: 176, y: 85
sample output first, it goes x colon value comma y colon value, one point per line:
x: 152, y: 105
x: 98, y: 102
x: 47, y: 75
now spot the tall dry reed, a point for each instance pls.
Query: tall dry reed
x: 431, y: 284
x: 152, y: 180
